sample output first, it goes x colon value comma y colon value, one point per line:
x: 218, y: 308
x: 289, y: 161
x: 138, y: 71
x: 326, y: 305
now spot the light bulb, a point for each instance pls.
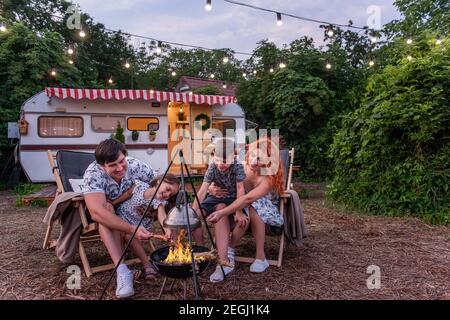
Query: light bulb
x: 70, y: 51
x: 70, y: 61
x: 279, y: 21
x: 174, y: 73
x: 191, y: 93
x: 254, y: 71
x: 409, y: 57
x: 110, y: 80
x: 374, y: 39
x: 438, y: 41
x: 244, y: 74
x: 330, y: 33
x: 82, y: 34
x: 282, y: 65
x: 224, y: 86
x: 2, y: 28
x: 225, y: 60
x: 53, y: 73
x: 271, y: 70
x: 371, y: 63
x: 152, y: 91
x: 208, y: 5
x: 127, y: 65
x: 158, y: 48
x: 212, y: 76
x: 409, y: 41
x: 328, y: 66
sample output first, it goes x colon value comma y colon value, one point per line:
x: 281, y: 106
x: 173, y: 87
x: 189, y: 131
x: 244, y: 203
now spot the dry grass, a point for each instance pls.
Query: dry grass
x: 414, y: 259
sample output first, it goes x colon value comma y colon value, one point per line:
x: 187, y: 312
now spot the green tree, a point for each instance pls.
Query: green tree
x: 26, y: 62
x: 391, y: 155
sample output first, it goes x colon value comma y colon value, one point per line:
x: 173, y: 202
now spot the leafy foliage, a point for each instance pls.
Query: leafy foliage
x: 391, y: 155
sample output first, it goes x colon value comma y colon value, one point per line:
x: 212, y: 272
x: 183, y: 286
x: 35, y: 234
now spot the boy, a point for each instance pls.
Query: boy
x: 226, y: 172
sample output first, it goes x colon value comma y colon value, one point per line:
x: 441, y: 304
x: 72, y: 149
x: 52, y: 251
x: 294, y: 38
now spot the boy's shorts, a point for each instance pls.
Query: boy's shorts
x: 211, y: 202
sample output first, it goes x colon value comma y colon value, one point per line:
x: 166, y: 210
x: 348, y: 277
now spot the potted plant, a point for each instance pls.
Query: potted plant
x: 134, y: 135
x: 152, y: 135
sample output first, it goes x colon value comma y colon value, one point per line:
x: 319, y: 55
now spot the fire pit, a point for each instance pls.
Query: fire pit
x: 177, y: 270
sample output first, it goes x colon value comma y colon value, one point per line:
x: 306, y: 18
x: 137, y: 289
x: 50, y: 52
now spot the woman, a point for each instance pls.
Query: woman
x: 264, y: 184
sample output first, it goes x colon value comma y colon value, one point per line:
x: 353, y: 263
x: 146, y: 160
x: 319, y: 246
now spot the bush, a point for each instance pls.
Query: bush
x: 391, y: 156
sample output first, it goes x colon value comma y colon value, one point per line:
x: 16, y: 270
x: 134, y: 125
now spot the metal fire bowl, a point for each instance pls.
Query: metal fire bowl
x: 178, y: 271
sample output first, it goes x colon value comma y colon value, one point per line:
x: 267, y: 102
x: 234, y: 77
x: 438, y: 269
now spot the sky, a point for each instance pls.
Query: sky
x: 231, y: 26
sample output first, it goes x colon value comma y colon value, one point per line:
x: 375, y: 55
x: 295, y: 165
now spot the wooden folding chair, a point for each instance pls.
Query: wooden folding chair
x: 287, y: 158
x: 89, y: 232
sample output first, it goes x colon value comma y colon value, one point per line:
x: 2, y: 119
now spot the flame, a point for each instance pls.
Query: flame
x: 180, y: 253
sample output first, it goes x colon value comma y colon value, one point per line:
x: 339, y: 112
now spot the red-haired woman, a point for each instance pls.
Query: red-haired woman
x: 264, y: 184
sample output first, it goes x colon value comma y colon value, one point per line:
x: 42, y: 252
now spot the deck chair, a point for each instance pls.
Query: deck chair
x: 71, y: 165
x: 287, y: 158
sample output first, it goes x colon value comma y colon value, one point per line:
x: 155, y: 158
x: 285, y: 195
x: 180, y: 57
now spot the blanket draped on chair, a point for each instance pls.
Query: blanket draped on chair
x: 294, y: 226
x: 71, y: 226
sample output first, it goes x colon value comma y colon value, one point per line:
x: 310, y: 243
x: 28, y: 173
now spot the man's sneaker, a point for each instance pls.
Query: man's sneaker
x: 217, y: 275
x: 231, y: 255
x: 125, y: 280
x: 259, y: 265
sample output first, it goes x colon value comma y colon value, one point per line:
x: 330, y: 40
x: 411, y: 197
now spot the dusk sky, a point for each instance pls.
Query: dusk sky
x: 227, y: 25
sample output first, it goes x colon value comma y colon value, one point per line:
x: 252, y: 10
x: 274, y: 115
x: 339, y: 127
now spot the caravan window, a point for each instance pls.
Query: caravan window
x: 106, y: 123
x: 142, y: 123
x: 58, y: 127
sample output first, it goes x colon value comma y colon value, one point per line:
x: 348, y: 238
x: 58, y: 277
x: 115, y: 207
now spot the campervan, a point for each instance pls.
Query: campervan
x: 155, y: 124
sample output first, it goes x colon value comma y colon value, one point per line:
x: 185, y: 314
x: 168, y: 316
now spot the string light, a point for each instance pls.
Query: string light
x: 373, y: 39
x: 70, y: 51
x: 371, y: 63
x: 212, y: 75
x: 409, y: 41
x: 127, y: 65
x: 110, y: 81
x: 409, y: 57
x: 271, y: 70
x: 282, y: 65
x: 70, y: 61
x: 438, y: 40
x: 244, y: 74
x: 152, y: 91
x: 225, y: 60
x: 2, y: 28
x: 174, y: 73
x: 191, y: 93
x: 208, y: 5
x: 279, y: 21
x: 328, y: 65
x: 82, y: 34
x: 330, y: 33
x: 224, y: 86
x: 53, y: 73
x: 158, y: 48
x: 254, y: 71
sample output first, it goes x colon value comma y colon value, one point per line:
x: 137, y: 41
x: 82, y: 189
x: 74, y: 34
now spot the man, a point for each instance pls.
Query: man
x: 107, y: 182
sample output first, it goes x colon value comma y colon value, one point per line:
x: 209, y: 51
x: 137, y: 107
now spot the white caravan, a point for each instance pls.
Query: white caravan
x: 78, y: 119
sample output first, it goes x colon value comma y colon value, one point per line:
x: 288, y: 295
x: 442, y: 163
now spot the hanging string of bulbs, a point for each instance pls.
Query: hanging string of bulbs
x: 225, y: 60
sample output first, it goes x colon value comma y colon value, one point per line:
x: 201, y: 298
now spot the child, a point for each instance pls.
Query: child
x: 226, y: 172
x: 132, y: 210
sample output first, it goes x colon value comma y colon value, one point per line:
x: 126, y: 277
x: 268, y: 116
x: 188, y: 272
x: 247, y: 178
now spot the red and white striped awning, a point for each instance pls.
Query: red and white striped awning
x: 121, y: 94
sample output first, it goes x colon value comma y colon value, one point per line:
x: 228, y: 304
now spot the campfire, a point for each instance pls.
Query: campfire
x: 180, y: 253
